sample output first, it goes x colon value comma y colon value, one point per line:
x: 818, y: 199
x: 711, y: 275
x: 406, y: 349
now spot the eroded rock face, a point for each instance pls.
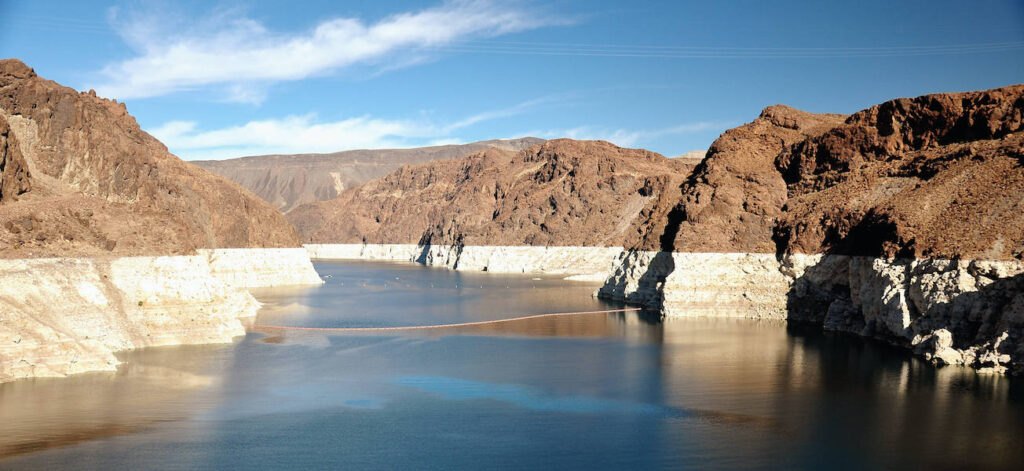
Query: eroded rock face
x: 732, y: 199
x: 81, y: 179
x: 14, y: 175
x: 902, y: 222
x: 950, y: 311
x: 81, y: 187
x: 933, y: 176
x: 560, y: 193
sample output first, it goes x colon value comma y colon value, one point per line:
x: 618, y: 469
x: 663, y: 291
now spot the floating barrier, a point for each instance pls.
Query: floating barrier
x: 440, y: 326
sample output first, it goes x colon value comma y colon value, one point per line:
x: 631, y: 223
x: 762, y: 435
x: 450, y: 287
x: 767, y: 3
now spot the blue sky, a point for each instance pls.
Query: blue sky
x: 224, y: 79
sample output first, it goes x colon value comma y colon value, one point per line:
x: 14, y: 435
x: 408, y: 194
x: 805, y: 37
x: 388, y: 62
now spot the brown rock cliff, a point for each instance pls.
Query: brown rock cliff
x: 287, y: 181
x: 933, y: 176
x: 732, y: 199
x: 562, y: 192
x: 88, y: 181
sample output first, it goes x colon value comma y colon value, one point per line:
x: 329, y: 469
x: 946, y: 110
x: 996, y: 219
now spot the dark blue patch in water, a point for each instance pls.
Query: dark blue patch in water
x: 528, y: 398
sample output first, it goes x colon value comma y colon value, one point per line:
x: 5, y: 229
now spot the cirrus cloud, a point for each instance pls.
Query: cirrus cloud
x: 632, y: 137
x: 300, y: 134
x: 243, y: 56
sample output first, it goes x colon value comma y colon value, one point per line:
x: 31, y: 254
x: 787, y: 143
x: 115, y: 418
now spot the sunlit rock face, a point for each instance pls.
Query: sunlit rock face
x: 287, y: 181
x: 951, y: 311
x: 900, y: 222
x: 562, y: 193
x: 108, y: 242
x: 66, y: 316
x: 581, y: 263
x: 80, y: 179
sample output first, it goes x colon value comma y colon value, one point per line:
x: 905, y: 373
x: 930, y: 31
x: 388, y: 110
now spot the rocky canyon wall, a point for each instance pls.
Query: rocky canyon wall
x: 903, y: 222
x: 108, y: 242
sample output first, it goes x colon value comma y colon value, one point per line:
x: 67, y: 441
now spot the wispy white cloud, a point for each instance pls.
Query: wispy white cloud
x: 631, y: 137
x: 291, y: 134
x: 307, y: 134
x: 506, y: 112
x: 243, y: 55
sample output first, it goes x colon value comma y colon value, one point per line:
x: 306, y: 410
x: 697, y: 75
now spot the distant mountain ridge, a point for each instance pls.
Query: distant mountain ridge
x: 561, y: 192
x: 287, y: 181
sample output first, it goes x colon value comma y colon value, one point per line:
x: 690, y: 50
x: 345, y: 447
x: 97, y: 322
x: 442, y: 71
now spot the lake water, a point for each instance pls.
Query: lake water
x: 597, y: 391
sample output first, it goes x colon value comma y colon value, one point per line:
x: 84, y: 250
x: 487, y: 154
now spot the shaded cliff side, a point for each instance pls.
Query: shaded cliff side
x: 287, y: 181
x: 902, y: 222
x: 79, y: 178
x: 562, y: 192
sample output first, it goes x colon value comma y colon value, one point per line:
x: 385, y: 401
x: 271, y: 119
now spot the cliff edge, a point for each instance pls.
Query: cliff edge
x: 108, y: 242
x: 80, y: 178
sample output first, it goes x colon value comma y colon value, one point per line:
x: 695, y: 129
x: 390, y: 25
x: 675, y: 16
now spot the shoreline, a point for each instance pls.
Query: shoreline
x: 62, y: 316
x: 947, y: 311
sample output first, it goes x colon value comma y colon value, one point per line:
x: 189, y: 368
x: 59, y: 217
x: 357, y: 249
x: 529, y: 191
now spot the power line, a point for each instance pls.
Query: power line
x: 697, y: 52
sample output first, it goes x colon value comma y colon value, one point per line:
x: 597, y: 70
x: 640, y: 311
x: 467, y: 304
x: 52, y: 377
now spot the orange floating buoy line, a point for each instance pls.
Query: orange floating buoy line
x: 441, y: 326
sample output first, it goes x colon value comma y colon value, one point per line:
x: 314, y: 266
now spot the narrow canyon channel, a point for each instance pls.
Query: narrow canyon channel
x: 604, y: 390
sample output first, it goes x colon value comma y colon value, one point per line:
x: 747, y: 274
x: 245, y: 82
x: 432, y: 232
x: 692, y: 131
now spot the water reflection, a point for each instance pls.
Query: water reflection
x: 594, y: 325
x: 166, y: 385
x: 598, y: 391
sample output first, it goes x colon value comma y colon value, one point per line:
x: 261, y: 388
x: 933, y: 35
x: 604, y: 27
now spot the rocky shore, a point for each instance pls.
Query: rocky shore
x: 60, y: 316
x: 901, y: 222
x: 109, y: 243
x: 581, y: 263
x: 962, y: 312
x: 950, y: 311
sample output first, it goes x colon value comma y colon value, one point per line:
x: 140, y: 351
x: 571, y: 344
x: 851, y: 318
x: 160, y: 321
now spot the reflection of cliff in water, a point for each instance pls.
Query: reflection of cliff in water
x: 640, y: 326
x: 154, y: 385
x: 836, y: 392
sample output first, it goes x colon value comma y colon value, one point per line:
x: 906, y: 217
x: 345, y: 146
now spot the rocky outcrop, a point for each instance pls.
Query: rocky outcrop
x: 108, y: 242
x: 60, y: 316
x: 961, y: 312
x: 560, y: 193
x: 902, y: 222
x: 706, y: 284
x: 731, y: 200
x: 967, y: 312
x: 261, y: 268
x: 14, y: 176
x: 79, y: 178
x: 287, y: 181
x: 937, y: 176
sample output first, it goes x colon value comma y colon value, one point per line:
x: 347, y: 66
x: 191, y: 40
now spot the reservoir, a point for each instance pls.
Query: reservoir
x: 619, y: 390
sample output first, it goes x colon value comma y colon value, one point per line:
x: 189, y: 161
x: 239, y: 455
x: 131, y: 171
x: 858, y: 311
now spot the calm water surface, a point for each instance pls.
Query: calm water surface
x: 616, y: 391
